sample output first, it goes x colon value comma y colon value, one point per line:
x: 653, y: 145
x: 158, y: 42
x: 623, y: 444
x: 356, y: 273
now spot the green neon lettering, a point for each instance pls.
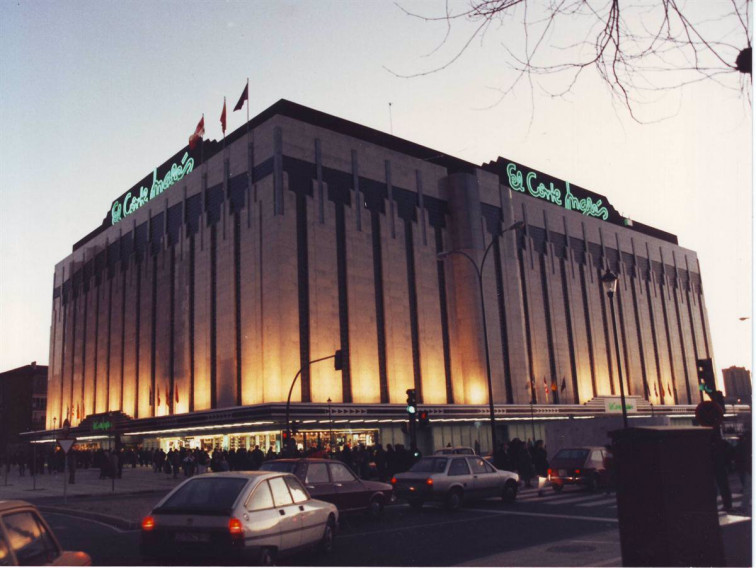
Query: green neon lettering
x: 515, y: 178
x: 131, y: 203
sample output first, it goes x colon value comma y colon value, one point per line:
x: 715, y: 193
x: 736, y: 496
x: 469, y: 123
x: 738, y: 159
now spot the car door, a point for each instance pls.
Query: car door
x: 262, y: 525
x: 290, y: 518
x: 318, y: 483
x: 313, y: 521
x: 351, y: 491
x: 485, y: 481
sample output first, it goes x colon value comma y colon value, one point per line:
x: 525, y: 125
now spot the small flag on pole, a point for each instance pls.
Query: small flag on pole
x: 545, y: 387
x: 199, y: 132
x: 656, y: 391
x: 177, y: 397
x: 168, y: 395
x: 554, y: 385
x: 244, y: 97
x: 564, y: 385
x: 158, y: 395
x: 669, y: 390
x: 223, y: 117
x: 152, y: 398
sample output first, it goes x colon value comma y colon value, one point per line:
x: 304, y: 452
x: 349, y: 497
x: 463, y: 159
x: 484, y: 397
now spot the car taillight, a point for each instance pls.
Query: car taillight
x: 551, y: 472
x: 393, y: 481
x: 429, y: 482
x: 235, y: 526
x: 148, y: 523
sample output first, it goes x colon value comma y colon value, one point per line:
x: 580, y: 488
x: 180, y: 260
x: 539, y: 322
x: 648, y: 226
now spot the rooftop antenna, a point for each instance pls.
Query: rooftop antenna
x: 391, y: 121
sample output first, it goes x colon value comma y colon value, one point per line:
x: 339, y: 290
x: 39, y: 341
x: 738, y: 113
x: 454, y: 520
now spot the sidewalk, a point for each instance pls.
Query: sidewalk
x: 120, y: 502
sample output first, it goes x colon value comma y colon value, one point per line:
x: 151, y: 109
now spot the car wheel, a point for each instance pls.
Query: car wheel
x: 326, y: 543
x: 509, y: 493
x: 375, y: 509
x: 558, y: 487
x: 454, y: 500
x: 267, y: 557
x: 416, y: 504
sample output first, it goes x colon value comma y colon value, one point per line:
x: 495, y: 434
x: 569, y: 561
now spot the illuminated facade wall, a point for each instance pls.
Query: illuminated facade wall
x: 215, y: 292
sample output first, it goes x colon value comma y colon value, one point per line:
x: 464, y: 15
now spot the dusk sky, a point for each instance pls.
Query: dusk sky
x: 94, y: 95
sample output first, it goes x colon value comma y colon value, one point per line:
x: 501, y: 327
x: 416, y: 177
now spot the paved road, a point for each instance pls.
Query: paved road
x: 536, y: 531
x: 572, y: 528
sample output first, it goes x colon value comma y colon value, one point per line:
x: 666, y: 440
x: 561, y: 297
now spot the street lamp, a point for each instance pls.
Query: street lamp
x: 609, y: 280
x: 479, y: 274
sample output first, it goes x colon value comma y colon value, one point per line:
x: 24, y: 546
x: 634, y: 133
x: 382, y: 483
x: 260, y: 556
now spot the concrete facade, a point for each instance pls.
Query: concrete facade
x: 214, y: 293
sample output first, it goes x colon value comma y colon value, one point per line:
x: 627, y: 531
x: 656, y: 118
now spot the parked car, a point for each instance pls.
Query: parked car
x: 237, y: 516
x: 335, y: 482
x: 27, y: 540
x: 454, y: 479
x: 578, y: 466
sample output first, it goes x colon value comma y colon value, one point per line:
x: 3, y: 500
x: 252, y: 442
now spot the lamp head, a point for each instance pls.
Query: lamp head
x: 609, y: 280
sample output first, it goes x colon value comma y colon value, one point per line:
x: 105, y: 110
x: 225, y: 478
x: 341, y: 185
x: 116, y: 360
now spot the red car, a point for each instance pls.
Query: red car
x: 579, y: 466
x: 333, y: 481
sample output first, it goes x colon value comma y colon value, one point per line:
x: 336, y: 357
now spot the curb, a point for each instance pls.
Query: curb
x: 123, y: 524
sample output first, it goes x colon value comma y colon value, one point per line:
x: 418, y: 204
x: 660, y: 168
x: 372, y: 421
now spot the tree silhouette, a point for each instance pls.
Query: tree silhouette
x: 640, y: 48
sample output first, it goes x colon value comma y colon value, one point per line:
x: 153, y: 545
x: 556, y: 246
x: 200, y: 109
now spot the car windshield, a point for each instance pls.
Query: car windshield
x: 205, y: 495
x: 573, y: 454
x: 285, y: 467
x: 430, y: 465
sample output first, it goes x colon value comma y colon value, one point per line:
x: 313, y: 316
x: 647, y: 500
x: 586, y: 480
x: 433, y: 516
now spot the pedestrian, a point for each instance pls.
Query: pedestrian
x: 540, y: 464
x: 720, y: 452
x: 743, y: 468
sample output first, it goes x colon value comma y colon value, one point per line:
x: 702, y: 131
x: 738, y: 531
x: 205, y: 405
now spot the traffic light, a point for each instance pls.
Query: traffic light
x: 412, y: 403
x: 285, y: 436
x: 423, y: 419
x: 706, y: 375
x: 338, y: 360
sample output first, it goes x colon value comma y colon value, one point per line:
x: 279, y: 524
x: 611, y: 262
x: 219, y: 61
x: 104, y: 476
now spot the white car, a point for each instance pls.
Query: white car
x: 454, y: 479
x: 237, y: 516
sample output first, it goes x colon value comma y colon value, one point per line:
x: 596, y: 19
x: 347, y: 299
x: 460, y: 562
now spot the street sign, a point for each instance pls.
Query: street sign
x: 65, y: 444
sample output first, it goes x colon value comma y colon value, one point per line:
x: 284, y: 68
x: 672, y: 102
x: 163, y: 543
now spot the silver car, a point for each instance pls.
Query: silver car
x: 255, y: 515
x: 454, y: 479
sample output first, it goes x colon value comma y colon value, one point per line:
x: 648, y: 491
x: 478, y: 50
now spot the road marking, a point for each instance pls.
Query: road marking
x: 548, y: 515
x: 87, y: 519
x: 598, y: 502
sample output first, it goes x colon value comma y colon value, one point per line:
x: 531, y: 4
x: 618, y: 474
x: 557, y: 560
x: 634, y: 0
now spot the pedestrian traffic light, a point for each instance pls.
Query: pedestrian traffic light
x: 338, y: 360
x: 423, y: 419
x: 411, y: 403
x: 285, y: 436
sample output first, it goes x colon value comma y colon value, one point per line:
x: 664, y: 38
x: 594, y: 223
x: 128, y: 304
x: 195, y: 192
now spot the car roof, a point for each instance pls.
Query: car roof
x: 14, y: 504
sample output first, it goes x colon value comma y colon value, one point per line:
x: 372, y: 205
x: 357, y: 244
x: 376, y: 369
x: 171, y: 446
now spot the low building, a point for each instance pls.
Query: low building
x: 23, y: 402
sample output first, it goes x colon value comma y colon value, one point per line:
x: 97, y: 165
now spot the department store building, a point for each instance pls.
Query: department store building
x: 184, y: 318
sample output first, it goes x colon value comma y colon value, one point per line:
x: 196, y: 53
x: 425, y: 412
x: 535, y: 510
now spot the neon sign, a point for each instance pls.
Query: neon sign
x: 133, y: 200
x: 553, y: 194
x: 104, y: 425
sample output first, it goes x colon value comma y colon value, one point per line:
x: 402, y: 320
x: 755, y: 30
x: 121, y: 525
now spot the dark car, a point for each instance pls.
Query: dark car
x: 579, y: 466
x: 333, y: 481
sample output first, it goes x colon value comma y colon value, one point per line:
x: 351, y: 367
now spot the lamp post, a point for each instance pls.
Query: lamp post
x: 479, y: 274
x: 330, y: 428
x: 609, y: 280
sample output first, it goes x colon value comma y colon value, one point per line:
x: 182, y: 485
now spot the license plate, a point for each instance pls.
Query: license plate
x: 192, y: 537
x: 562, y: 472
